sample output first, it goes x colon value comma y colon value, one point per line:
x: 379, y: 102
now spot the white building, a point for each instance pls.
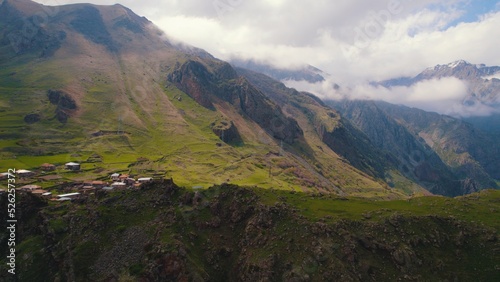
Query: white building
x: 70, y: 196
x: 119, y: 185
x: 72, y: 166
x: 24, y: 173
x: 145, y: 179
x: 115, y: 176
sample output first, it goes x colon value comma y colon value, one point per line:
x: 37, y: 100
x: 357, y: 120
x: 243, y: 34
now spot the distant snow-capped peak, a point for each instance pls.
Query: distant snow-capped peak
x: 458, y: 63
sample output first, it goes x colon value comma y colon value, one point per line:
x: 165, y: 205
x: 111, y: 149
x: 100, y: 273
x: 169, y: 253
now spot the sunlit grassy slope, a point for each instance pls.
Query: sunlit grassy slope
x: 130, y: 119
x: 157, y: 122
x: 172, y: 131
x: 162, y: 124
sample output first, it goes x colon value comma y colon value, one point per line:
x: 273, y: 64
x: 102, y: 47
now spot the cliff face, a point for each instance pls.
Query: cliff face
x: 213, y: 82
x: 227, y: 132
x: 351, y: 144
x: 227, y: 233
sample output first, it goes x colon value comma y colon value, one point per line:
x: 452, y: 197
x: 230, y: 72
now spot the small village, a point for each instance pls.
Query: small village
x: 28, y: 182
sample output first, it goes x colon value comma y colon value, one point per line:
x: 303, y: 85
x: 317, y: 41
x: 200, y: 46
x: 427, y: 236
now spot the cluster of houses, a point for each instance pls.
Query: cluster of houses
x: 116, y: 181
x: 124, y: 181
x: 25, y: 174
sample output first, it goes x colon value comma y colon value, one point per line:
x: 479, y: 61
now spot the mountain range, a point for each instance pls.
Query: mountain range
x: 119, y: 89
x: 467, y: 146
x: 100, y: 80
x: 432, y: 149
x: 436, y: 151
x: 483, y: 85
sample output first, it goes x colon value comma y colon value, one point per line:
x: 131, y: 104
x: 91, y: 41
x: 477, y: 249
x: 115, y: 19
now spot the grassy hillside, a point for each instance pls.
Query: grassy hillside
x: 119, y: 100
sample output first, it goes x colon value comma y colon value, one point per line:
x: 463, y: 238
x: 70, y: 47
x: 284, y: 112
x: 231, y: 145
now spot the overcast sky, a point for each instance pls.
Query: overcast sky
x: 353, y: 40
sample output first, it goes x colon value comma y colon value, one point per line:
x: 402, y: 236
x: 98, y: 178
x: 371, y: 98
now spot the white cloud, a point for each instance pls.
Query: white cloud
x: 445, y: 95
x: 438, y: 90
x: 355, y: 41
x: 398, y: 37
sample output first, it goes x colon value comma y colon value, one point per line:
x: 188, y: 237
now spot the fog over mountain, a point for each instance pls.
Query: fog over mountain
x: 354, y: 41
x: 458, y: 89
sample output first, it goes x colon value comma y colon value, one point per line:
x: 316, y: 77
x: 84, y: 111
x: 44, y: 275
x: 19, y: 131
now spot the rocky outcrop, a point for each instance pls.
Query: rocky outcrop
x: 215, y: 82
x: 226, y: 131
x: 194, y: 79
x: 66, y: 106
x: 469, y: 186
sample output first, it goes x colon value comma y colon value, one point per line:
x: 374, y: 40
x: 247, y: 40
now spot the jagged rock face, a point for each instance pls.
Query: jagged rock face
x: 227, y: 131
x: 263, y: 111
x: 22, y: 35
x: 193, y: 79
x: 469, y: 186
x: 356, y: 148
x: 221, y: 83
x: 458, y: 69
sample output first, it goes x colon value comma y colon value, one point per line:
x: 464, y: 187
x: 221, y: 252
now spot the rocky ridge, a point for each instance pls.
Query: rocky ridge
x: 167, y: 233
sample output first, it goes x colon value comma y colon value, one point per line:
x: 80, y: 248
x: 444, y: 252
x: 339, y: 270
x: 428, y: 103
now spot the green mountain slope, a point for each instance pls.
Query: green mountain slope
x: 115, y: 95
